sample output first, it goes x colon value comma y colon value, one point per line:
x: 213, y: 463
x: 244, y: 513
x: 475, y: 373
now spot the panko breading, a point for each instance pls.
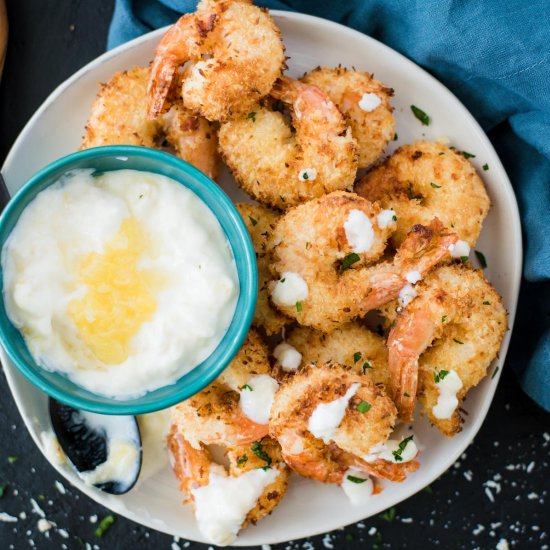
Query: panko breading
x: 282, y: 168
x: 425, y: 180
x: 456, y: 323
x: 119, y: 117
x: 371, y: 118
x: 234, y: 54
x: 351, y: 344
x: 213, y: 415
x: 260, y: 222
x: 310, y: 242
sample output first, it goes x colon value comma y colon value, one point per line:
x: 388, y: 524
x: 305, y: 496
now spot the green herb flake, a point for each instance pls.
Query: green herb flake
x: 485, y: 167
x: 441, y: 153
x: 356, y: 356
x: 435, y: 186
x: 464, y: 259
x: 264, y: 468
x: 452, y: 148
x: 246, y: 387
x: 428, y: 489
x: 41, y: 497
x: 444, y: 318
x: 298, y: 306
x: 389, y: 514
x: 440, y: 375
x: 104, y: 525
x: 258, y: 450
x: 348, y: 537
x: 402, y: 446
x: 420, y: 115
x: 394, y: 218
x: 13, y: 459
x: 348, y: 261
x: 305, y: 175
x: 308, y: 245
x: 467, y: 155
x: 283, y: 279
x: 458, y: 341
x: 406, y: 394
x: 354, y: 479
x: 495, y: 372
x: 252, y: 116
x: 395, y: 137
x: 141, y: 196
x: 486, y: 303
x: 252, y: 220
x: 241, y: 460
x: 3, y: 487
x: 481, y: 259
x: 363, y: 407
x: 366, y: 365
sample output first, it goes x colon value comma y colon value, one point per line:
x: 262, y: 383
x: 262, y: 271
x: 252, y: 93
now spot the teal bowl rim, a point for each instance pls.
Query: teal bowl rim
x: 247, y: 276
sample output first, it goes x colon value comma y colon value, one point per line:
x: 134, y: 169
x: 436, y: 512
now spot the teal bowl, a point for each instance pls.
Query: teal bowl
x: 122, y: 157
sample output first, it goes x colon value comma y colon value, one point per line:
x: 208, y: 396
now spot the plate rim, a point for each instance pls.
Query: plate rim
x: 505, y: 186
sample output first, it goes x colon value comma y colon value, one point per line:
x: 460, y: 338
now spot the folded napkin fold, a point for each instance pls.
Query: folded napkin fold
x: 495, y: 56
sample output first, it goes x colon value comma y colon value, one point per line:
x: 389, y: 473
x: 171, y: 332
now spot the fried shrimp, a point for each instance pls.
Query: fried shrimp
x: 444, y: 340
x: 324, y: 255
x: 350, y: 344
x: 233, y: 54
x: 227, y: 500
x: 364, y: 102
x: 425, y: 180
x: 119, y: 116
x: 328, y: 418
x: 219, y: 414
x: 281, y: 168
x: 260, y: 222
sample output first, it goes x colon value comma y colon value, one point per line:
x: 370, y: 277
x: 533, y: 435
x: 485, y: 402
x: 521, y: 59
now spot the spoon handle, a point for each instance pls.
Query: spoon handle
x: 4, y: 194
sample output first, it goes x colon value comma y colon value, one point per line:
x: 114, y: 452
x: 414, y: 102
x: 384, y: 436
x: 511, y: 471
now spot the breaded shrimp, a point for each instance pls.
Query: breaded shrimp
x: 196, y: 470
x: 260, y: 222
x: 234, y: 54
x: 119, y: 116
x: 445, y: 339
x: 325, y: 451
x: 280, y: 168
x: 425, y: 180
x: 365, y: 103
x: 215, y: 415
x: 323, y: 257
x: 350, y: 344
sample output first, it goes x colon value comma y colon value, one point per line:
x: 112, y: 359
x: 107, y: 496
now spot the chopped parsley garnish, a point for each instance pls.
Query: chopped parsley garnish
x: 298, y: 306
x: 41, y: 497
x: 354, y: 479
x: 467, y: 155
x: 246, y: 387
x: 481, y: 259
x: 428, y: 489
x: 440, y: 375
x: 495, y: 372
x: 264, y: 468
x: 348, y: 261
x: 141, y: 196
x: 258, y: 450
x: 305, y: 175
x: 364, y: 407
x: 241, y: 460
x: 252, y: 220
x: 406, y: 394
x: 420, y: 115
x: 356, y: 356
x: 486, y: 303
x: 485, y: 167
x: 13, y: 459
x: 3, y: 487
x: 366, y: 365
x: 395, y: 137
x: 397, y: 453
x: 394, y: 218
x: 252, y: 115
x: 104, y: 525
x: 389, y: 514
x: 458, y: 341
x: 452, y: 148
x: 441, y: 153
x: 444, y: 318
x: 435, y: 186
x: 348, y: 537
x: 283, y: 279
x: 308, y: 245
x: 464, y: 259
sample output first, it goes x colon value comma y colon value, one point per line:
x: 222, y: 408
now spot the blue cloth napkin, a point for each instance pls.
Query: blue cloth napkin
x: 495, y: 56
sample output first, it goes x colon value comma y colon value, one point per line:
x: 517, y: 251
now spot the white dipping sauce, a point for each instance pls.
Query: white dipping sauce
x: 180, y: 266
x: 359, y: 231
x: 257, y: 398
x: 358, y: 486
x: 447, y: 402
x: 328, y: 416
x: 222, y: 505
x: 288, y: 356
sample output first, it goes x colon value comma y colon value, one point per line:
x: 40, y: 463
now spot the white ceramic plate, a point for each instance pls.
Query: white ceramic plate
x: 308, y: 508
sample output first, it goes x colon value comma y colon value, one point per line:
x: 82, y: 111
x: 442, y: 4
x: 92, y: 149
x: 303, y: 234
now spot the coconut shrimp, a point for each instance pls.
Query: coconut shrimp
x: 444, y: 340
x: 324, y: 257
x: 280, y: 168
x: 323, y: 443
x: 119, y: 116
x: 219, y: 413
x: 233, y: 54
x: 350, y: 344
x: 364, y: 102
x: 260, y: 222
x: 227, y: 500
x: 426, y: 180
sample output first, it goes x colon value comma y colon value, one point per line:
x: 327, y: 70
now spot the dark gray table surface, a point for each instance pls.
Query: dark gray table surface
x: 497, y: 490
